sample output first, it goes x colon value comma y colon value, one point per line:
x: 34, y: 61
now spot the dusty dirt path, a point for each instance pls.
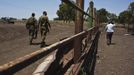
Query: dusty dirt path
x: 118, y: 58
x: 15, y: 42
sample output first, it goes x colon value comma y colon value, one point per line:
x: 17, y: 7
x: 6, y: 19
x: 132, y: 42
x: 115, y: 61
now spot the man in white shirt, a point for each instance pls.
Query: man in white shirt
x: 109, y: 29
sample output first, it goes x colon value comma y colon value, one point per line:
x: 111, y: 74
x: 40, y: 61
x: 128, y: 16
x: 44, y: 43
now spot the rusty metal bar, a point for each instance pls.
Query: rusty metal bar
x: 78, y: 8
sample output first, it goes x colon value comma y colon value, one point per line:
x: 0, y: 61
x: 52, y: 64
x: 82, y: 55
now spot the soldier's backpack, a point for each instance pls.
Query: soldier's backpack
x: 30, y: 22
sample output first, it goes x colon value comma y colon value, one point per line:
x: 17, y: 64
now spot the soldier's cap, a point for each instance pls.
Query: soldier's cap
x: 44, y: 12
x: 33, y: 14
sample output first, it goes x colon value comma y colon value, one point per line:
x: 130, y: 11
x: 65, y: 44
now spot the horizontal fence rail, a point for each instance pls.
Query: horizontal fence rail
x: 56, y: 66
x: 14, y: 66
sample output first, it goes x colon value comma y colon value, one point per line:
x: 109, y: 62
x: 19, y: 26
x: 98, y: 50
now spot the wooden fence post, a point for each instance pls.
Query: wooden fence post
x: 78, y: 29
x: 91, y: 5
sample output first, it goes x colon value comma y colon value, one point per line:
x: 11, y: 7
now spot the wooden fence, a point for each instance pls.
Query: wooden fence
x: 57, y: 65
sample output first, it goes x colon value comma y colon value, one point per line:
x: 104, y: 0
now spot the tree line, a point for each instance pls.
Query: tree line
x: 126, y: 17
x: 67, y: 13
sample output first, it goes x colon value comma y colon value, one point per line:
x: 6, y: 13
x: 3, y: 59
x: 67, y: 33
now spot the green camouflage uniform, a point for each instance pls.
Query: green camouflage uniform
x: 31, y: 25
x: 44, y: 26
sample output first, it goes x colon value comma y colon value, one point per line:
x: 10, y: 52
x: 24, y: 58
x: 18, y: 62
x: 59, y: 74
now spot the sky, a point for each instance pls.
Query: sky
x: 23, y: 8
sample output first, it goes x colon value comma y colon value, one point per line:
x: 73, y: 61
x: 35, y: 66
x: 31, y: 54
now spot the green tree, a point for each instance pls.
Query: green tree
x: 127, y: 16
x: 112, y: 16
x: 66, y: 12
x: 131, y: 10
x: 124, y: 17
x: 102, y: 15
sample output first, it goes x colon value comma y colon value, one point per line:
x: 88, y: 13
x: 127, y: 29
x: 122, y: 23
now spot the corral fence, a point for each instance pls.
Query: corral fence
x: 75, y: 55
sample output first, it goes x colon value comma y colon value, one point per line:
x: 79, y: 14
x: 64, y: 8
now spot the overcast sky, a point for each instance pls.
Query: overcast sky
x: 24, y: 8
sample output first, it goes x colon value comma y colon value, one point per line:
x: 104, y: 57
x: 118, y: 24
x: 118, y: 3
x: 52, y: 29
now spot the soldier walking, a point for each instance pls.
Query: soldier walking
x: 44, y: 26
x: 32, y: 26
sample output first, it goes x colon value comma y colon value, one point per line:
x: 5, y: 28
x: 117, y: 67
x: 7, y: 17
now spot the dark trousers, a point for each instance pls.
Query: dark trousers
x: 109, y: 37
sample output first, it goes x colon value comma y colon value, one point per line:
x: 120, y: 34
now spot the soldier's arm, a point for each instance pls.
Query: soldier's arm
x: 27, y: 21
x: 36, y: 23
x: 39, y: 22
x: 27, y: 24
x: 48, y: 23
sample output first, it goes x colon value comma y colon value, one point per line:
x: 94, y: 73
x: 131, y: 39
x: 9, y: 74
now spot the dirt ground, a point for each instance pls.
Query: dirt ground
x: 15, y: 41
x: 118, y: 58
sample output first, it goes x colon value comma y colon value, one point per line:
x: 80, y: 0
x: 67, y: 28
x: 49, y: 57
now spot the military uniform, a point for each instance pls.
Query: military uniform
x: 43, y: 22
x: 44, y: 26
x: 31, y: 25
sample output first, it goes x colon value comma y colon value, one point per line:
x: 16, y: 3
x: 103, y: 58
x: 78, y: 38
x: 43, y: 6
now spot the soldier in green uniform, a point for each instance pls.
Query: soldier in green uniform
x: 31, y: 25
x: 44, y: 26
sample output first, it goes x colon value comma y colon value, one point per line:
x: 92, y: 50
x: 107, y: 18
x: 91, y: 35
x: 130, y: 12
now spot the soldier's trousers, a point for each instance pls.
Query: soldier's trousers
x: 32, y: 34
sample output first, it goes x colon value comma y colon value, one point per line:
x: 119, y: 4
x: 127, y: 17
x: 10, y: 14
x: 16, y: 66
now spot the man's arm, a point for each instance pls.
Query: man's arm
x: 48, y: 23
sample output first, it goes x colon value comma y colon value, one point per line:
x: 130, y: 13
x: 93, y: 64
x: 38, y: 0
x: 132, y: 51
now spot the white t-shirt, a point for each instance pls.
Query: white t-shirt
x: 110, y: 27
